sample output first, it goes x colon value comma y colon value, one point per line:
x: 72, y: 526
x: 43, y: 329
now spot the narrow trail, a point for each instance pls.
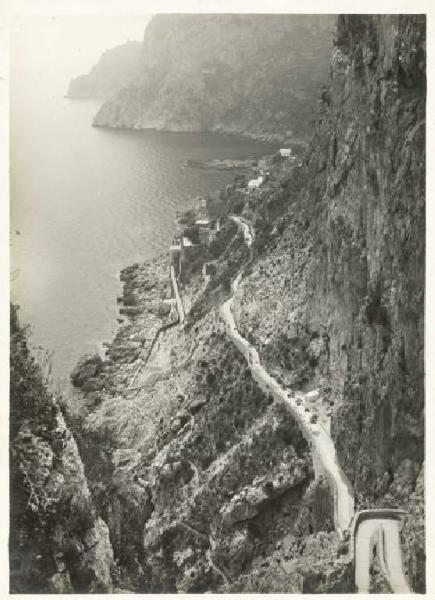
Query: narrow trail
x: 208, y: 553
x: 180, y: 307
x: 143, y: 362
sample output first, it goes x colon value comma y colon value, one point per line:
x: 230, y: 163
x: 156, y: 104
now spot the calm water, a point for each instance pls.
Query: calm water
x: 87, y: 202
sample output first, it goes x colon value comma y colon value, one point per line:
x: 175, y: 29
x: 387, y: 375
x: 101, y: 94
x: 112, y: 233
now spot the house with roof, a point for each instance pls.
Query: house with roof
x: 253, y: 184
x: 207, y: 230
x: 203, y: 231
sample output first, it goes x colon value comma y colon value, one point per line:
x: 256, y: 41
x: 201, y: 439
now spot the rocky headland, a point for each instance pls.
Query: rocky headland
x: 251, y: 74
x: 116, y: 68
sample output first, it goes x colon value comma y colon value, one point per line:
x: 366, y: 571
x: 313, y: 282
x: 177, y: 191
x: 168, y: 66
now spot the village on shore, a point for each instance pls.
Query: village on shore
x: 190, y: 239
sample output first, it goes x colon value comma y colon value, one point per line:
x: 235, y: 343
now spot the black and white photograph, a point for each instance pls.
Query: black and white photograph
x: 216, y: 293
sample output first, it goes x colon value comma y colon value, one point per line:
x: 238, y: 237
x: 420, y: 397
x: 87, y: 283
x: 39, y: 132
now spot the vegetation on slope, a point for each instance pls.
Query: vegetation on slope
x: 57, y: 543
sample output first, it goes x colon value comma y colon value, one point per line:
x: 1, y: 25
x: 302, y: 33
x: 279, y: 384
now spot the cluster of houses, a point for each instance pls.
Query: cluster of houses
x: 254, y: 184
x: 187, y: 246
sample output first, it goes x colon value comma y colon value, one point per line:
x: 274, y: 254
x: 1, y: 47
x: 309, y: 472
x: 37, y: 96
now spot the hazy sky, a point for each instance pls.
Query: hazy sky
x: 67, y: 46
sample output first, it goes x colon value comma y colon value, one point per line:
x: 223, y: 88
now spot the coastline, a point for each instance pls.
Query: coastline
x: 147, y: 306
x: 265, y: 137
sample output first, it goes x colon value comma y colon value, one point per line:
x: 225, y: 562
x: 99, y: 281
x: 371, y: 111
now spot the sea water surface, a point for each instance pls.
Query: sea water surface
x: 86, y: 202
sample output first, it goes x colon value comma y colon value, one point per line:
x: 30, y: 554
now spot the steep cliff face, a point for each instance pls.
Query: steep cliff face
x: 57, y: 542
x: 375, y: 249
x: 337, y: 300
x: 116, y: 68
x: 250, y: 74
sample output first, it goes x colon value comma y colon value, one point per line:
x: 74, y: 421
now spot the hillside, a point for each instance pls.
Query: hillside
x: 115, y: 69
x: 206, y: 480
x: 253, y: 74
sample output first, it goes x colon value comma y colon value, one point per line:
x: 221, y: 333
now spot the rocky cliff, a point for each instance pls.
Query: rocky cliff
x: 337, y: 299
x: 57, y: 544
x: 116, y: 68
x: 204, y: 480
x: 254, y: 74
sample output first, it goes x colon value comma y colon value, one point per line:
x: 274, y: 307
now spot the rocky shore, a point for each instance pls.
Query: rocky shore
x: 222, y: 165
x: 144, y: 309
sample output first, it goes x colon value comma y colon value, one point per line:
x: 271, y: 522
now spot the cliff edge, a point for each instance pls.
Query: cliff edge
x: 116, y: 68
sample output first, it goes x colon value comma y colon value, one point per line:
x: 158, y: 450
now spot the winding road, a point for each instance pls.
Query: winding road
x: 380, y: 527
x: 368, y: 529
x: 325, y: 460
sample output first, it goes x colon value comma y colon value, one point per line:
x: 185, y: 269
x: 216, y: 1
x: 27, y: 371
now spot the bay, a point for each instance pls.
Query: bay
x: 86, y: 202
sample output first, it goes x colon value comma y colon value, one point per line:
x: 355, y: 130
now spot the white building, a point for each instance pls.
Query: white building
x: 285, y: 152
x: 255, y: 183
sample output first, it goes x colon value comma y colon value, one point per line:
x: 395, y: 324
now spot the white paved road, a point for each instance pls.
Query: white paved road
x: 383, y: 528
x: 318, y: 438
x: 386, y: 532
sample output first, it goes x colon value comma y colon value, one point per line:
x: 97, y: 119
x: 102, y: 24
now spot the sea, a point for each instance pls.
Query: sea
x: 86, y: 202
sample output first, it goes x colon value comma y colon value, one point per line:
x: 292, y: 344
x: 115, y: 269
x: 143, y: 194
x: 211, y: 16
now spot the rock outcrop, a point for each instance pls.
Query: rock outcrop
x: 57, y: 542
x: 116, y: 68
x: 253, y: 74
x: 86, y: 369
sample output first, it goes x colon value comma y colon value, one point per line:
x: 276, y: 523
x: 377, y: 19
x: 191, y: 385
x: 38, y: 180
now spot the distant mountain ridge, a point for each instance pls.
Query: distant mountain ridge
x: 114, y: 70
x: 253, y: 74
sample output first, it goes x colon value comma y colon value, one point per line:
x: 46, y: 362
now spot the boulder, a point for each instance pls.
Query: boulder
x: 88, y: 366
x: 164, y: 309
x: 60, y: 583
x: 99, y: 557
